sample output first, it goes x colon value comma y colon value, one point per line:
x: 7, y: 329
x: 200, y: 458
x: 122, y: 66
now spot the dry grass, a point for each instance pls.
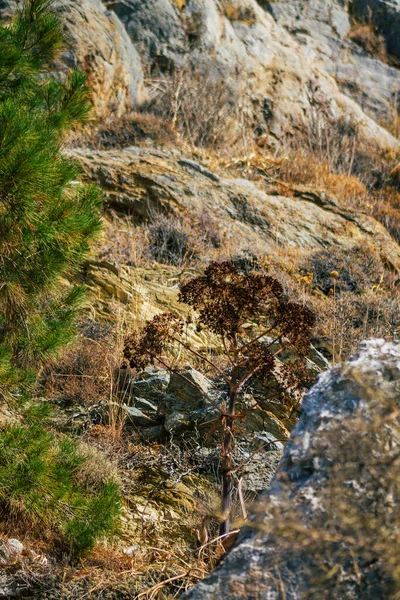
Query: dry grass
x: 86, y: 377
x: 135, y: 128
x: 97, y: 468
x: 83, y: 376
x: 384, y: 205
x: 239, y: 10
x: 202, y: 105
x: 367, y: 37
x: 190, y: 239
x: 361, y: 300
x: 369, y: 189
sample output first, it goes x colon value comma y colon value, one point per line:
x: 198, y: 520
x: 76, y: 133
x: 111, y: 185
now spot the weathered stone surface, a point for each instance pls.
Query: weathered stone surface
x: 281, y: 80
x: 145, y: 182
x: 101, y: 48
x: 153, y: 26
x: 148, y: 387
x: 322, y: 28
x: 137, y: 417
x: 191, y: 386
x: 10, y: 550
x: 351, y: 408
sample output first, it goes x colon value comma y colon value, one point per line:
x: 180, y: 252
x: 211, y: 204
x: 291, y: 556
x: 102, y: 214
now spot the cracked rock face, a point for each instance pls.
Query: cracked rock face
x: 323, y: 29
x: 329, y: 524
x: 282, y: 60
x: 144, y: 182
x: 280, y: 78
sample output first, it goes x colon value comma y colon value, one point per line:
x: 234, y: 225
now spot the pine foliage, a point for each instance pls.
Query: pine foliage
x: 47, y: 219
x: 39, y: 489
x: 47, y: 222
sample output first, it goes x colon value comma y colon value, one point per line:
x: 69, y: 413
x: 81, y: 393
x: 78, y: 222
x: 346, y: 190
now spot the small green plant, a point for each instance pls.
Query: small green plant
x: 39, y: 486
x: 254, y: 322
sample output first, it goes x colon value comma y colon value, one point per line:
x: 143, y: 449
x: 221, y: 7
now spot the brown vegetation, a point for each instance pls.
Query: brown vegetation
x: 225, y: 302
x: 367, y: 37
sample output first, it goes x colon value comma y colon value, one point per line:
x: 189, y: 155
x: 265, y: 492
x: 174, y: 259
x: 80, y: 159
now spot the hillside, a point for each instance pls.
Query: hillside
x: 265, y: 133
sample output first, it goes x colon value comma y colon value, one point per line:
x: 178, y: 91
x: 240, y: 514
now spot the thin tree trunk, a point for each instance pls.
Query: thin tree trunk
x: 226, y: 458
x: 226, y: 478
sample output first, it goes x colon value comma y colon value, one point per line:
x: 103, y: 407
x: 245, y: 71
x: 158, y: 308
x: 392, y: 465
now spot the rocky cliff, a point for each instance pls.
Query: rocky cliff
x: 280, y: 60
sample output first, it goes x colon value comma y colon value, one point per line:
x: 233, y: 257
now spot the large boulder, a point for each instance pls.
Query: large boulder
x: 329, y: 526
x: 98, y: 44
x: 101, y: 47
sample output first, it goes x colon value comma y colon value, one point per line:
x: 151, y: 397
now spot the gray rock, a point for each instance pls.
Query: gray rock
x: 10, y: 550
x: 197, y: 167
x: 145, y: 405
x: 254, y: 215
x: 137, y: 417
x: 311, y: 535
x: 322, y: 28
x: 277, y: 70
x: 149, y: 386
x: 154, y: 434
x: 178, y: 422
x: 15, y: 547
x: 154, y: 27
x: 191, y: 387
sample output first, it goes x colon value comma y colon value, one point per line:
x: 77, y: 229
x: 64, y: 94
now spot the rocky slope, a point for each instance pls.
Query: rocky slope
x: 144, y: 182
x: 325, y: 32
x: 244, y: 44
x: 292, y: 75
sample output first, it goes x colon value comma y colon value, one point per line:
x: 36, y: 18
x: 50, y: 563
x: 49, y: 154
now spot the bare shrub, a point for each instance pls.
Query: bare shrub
x: 352, y: 270
x: 82, y: 376
x: 127, y: 130
x: 254, y: 323
x: 353, y: 295
x: 177, y: 241
x: 171, y: 241
x: 168, y: 239
x: 200, y: 103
